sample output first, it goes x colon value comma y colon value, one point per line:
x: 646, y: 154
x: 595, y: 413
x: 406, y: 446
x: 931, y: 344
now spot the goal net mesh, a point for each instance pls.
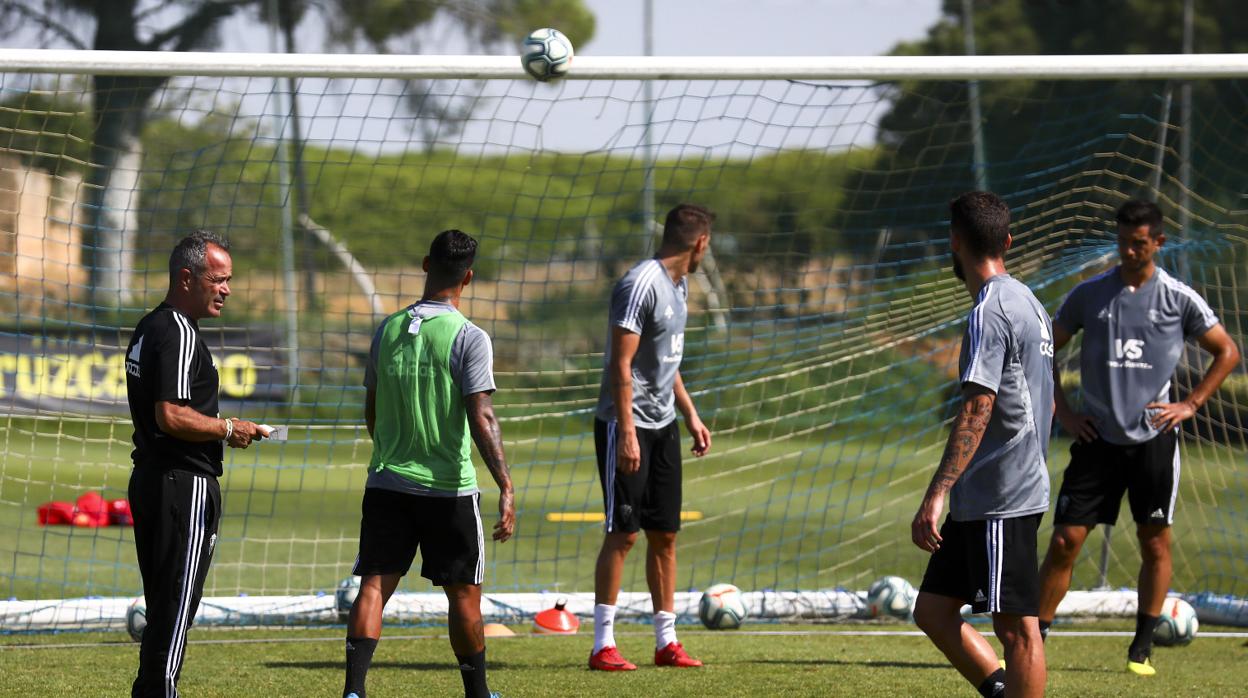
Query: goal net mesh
x: 823, y: 334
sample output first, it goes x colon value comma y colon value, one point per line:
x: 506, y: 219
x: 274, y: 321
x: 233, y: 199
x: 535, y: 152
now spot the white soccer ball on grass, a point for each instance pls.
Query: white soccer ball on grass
x: 344, y: 597
x: 547, y: 54
x: 1177, y: 624
x: 136, y: 619
x: 722, y: 607
x: 891, y: 596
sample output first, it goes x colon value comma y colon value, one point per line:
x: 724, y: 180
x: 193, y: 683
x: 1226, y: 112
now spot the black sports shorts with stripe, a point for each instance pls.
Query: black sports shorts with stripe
x: 176, y: 515
x: 1099, y: 472
x: 446, y: 530
x: 650, y: 498
x: 989, y: 564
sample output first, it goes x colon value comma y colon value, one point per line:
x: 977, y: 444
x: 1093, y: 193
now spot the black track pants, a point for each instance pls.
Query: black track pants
x: 176, y: 514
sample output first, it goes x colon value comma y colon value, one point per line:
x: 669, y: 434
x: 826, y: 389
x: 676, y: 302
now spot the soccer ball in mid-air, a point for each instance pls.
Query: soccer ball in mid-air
x: 722, y: 607
x: 1177, y: 624
x: 891, y: 596
x: 136, y: 620
x: 344, y: 597
x: 547, y: 54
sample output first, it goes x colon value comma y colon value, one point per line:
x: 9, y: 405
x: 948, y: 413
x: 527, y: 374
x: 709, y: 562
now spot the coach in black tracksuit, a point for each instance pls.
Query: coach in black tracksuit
x: 172, y: 387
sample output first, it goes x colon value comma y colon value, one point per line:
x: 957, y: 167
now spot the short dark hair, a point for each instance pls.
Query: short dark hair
x: 191, y: 253
x: 451, y: 255
x: 1137, y: 212
x: 685, y: 224
x: 982, y: 221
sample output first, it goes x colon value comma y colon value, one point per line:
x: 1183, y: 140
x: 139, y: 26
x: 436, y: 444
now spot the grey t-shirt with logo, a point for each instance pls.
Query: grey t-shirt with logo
x: 1008, y: 348
x: 1132, y: 342
x: 647, y: 303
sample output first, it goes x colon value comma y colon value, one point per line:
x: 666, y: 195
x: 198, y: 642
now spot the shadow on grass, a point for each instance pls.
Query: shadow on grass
x: 409, y: 666
x: 848, y: 662
x: 885, y: 664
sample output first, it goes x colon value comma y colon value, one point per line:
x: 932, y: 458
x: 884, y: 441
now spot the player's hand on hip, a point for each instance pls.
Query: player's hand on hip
x: 925, y: 529
x: 506, y: 517
x: 627, y: 452
x: 1168, y: 415
x: 1078, y: 425
x: 701, y: 436
x: 244, y: 433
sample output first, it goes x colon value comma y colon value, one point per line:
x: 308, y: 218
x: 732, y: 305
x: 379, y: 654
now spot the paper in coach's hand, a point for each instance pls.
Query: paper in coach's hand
x: 275, y: 433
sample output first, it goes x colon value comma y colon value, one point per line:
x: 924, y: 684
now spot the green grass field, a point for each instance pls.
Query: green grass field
x: 816, y: 510
x: 796, y: 661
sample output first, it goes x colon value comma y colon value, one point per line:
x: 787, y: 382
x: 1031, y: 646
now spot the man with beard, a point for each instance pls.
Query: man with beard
x: 636, y: 437
x: 993, y: 467
x: 1135, y: 320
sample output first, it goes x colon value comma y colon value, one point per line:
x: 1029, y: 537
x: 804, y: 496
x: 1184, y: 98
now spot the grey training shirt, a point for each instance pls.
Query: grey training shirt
x: 472, y: 369
x: 646, y: 302
x: 1008, y: 348
x: 1132, y: 342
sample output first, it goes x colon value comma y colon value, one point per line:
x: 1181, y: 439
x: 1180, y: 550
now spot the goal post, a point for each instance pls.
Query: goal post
x: 821, y: 348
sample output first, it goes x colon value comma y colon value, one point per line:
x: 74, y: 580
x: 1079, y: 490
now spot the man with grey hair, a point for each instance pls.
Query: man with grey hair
x: 172, y: 387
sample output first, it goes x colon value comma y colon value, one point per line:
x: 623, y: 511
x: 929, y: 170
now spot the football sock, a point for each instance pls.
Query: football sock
x: 1142, y: 645
x: 664, y: 629
x: 994, y: 685
x: 359, y: 656
x: 1044, y: 629
x: 472, y: 671
x: 604, y: 627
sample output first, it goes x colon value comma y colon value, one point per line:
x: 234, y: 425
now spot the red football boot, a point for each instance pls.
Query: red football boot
x: 674, y: 655
x: 610, y: 659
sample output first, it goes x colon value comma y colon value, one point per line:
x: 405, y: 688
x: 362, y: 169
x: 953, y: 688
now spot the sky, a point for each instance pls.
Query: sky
x: 578, y: 117
x: 732, y: 27
x: 694, y: 118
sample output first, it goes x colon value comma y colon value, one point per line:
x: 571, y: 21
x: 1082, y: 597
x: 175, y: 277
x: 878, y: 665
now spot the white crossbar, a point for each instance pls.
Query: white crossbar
x: 870, y: 68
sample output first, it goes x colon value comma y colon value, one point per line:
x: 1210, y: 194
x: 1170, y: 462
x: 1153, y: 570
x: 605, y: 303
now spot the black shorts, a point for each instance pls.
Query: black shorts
x: 989, y: 564
x: 1099, y: 472
x: 446, y: 529
x: 650, y: 498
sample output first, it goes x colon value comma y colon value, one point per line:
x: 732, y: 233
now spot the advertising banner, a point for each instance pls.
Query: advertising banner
x: 84, y: 372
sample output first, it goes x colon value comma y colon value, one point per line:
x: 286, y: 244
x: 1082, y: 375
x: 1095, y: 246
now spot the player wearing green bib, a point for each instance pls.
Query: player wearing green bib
x: 430, y: 381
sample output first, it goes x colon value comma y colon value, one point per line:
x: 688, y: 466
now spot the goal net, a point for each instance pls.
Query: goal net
x: 822, y: 341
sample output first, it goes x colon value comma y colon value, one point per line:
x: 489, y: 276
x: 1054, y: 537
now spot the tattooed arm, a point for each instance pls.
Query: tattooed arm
x: 489, y: 440
x: 968, y: 429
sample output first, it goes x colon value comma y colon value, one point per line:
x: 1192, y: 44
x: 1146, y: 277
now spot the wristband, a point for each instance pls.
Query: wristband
x: 229, y: 429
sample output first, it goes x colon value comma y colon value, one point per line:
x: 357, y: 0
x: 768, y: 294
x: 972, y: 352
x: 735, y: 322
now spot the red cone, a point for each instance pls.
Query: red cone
x: 556, y: 621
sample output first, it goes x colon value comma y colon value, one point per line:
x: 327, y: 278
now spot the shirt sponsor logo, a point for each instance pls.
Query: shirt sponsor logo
x: 1046, y: 343
x: 132, y: 359
x: 1127, y: 354
x: 677, y: 349
x: 410, y: 369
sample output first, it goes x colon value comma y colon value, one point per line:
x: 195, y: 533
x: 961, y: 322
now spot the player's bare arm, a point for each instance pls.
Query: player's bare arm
x: 624, y: 346
x: 183, y: 422
x: 684, y: 402
x: 968, y: 430
x: 488, y: 437
x: 1217, y: 342
x: 1077, y: 424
